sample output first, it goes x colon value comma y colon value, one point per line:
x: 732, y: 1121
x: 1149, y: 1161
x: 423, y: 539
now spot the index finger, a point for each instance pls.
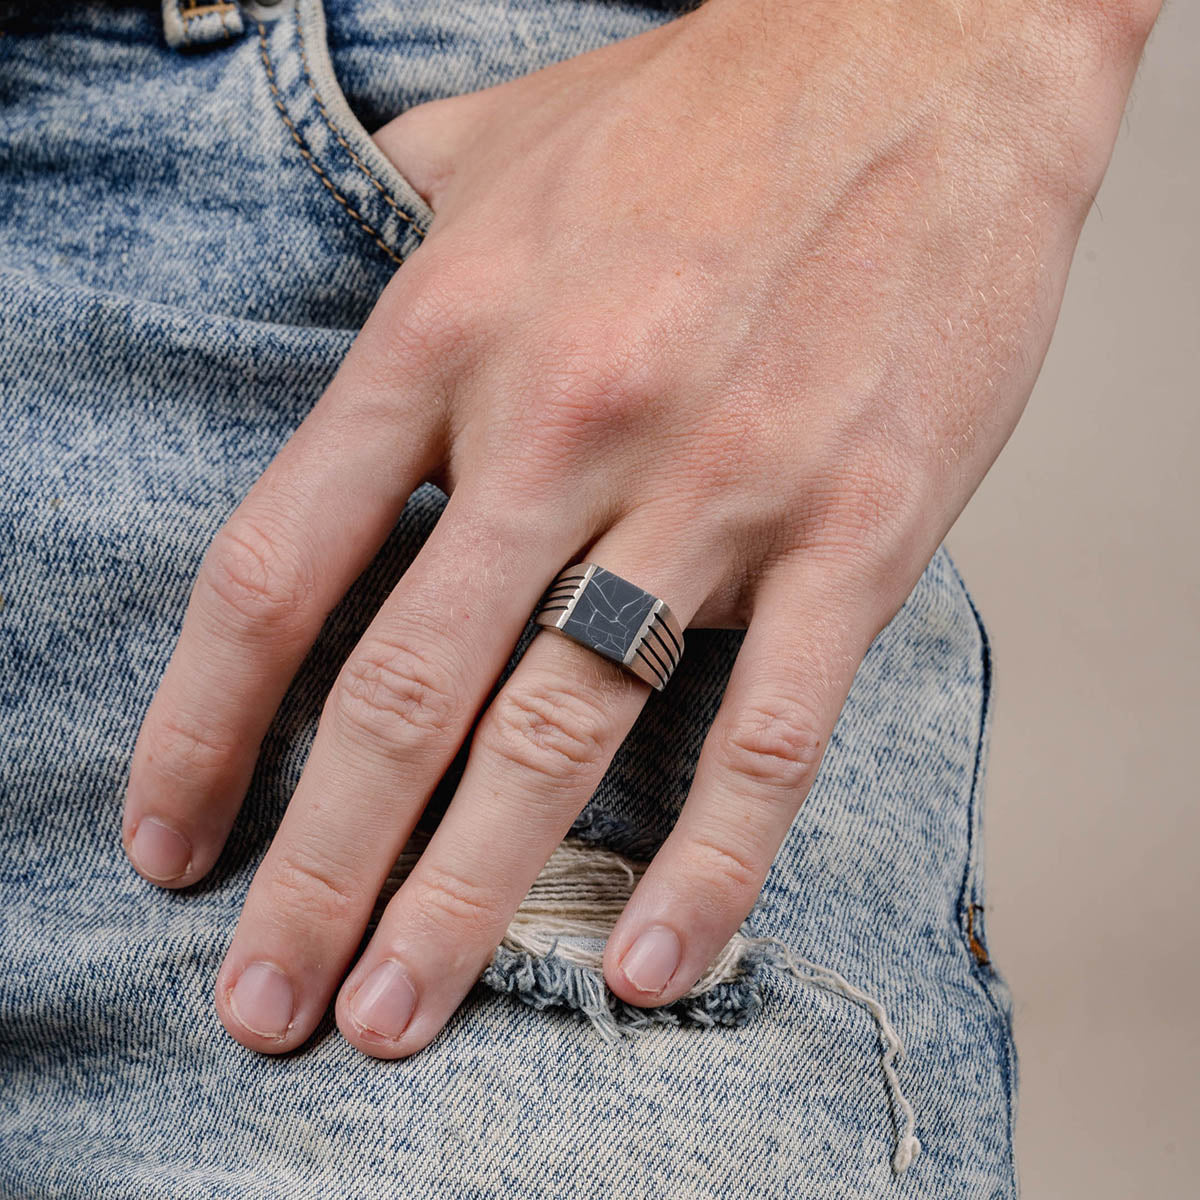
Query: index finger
x: 291, y: 549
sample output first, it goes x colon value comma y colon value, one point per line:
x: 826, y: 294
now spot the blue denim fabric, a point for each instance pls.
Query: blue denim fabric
x: 189, y: 236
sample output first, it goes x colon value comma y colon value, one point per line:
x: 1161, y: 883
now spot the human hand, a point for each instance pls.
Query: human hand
x: 742, y: 308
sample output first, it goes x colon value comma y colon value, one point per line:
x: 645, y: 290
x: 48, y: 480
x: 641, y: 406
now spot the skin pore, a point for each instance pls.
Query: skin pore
x: 776, y: 280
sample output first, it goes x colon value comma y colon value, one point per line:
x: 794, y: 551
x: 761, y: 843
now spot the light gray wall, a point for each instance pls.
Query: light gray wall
x: 1082, y: 549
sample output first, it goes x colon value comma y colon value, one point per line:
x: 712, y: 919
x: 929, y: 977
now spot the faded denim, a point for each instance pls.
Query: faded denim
x: 191, y: 229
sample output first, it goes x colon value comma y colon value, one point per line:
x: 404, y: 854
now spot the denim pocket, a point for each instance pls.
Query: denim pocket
x: 345, y: 162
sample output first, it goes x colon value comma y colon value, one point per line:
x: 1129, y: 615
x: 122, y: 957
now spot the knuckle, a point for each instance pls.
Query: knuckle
x: 453, y: 901
x: 423, y: 331
x: 256, y: 578
x: 778, y: 746
x: 180, y: 747
x: 727, y: 871
x: 859, y: 513
x: 396, y: 697
x: 586, y: 389
x: 714, y: 466
x: 431, y: 309
x: 425, y: 323
x: 861, y: 504
x: 546, y: 728
x: 311, y: 889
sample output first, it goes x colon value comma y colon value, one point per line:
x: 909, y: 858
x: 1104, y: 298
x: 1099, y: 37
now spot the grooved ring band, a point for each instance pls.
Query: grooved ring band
x: 614, y: 618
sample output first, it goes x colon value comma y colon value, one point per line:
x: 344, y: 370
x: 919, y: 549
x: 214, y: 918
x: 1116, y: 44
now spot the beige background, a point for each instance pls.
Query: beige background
x: 1083, y: 552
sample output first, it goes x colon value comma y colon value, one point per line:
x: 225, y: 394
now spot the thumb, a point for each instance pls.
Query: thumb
x: 425, y: 143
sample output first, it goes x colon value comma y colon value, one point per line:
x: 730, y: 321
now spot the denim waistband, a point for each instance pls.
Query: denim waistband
x: 195, y: 22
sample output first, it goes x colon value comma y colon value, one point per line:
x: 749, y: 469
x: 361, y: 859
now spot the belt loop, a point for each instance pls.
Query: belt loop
x: 197, y: 22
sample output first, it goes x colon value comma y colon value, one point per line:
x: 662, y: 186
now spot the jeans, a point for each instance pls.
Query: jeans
x: 194, y: 221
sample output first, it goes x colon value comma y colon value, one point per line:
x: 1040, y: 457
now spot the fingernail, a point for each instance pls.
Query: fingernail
x: 385, y: 1002
x: 159, y: 851
x: 262, y: 1000
x: 651, y: 960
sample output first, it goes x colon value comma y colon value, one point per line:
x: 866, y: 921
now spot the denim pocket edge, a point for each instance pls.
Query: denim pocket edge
x: 345, y: 160
x: 972, y: 894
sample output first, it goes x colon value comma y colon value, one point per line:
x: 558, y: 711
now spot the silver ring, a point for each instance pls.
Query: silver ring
x: 614, y: 618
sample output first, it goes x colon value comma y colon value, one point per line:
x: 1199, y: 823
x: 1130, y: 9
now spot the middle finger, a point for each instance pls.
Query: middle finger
x: 536, y: 757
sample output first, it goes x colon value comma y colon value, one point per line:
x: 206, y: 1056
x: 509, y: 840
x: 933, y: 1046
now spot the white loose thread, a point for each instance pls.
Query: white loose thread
x: 908, y: 1146
x: 582, y: 891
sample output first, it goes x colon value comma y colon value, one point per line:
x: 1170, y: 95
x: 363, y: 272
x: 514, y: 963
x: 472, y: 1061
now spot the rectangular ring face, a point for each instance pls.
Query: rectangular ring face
x: 608, y: 614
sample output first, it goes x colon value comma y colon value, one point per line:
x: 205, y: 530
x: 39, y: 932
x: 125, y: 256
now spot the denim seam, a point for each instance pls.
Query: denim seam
x: 983, y: 972
x: 354, y: 158
x: 194, y: 12
x: 308, y: 155
x: 188, y: 23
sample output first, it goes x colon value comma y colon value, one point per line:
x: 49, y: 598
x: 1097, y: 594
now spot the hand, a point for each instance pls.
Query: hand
x: 742, y: 308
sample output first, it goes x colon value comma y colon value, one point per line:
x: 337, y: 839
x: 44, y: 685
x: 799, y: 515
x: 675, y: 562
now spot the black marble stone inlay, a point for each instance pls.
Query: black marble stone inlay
x: 609, y: 614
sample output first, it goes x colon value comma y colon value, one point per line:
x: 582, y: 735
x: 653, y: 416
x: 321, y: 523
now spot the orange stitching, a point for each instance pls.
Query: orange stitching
x: 307, y: 154
x: 197, y: 8
x: 342, y: 141
x: 977, y: 947
x: 202, y: 10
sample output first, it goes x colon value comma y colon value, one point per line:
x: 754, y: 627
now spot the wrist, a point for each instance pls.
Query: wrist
x: 1117, y: 27
x: 1062, y: 67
